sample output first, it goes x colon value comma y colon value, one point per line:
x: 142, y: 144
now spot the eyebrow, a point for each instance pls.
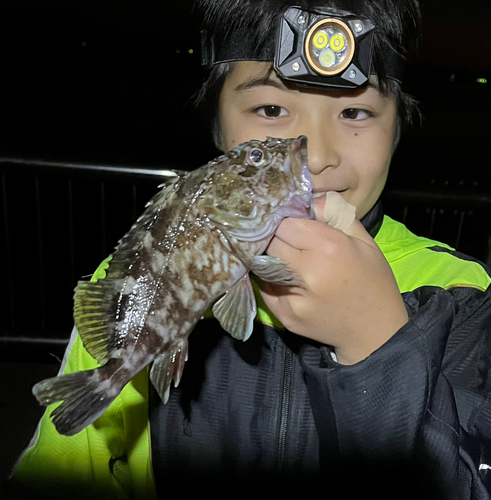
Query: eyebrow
x: 260, y: 81
x: 265, y: 80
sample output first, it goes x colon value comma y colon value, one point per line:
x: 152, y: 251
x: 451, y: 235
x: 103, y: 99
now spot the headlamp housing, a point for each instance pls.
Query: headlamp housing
x: 323, y: 47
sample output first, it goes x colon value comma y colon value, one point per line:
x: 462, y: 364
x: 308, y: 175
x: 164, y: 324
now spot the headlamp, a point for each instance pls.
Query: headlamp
x: 323, y: 47
x: 320, y: 47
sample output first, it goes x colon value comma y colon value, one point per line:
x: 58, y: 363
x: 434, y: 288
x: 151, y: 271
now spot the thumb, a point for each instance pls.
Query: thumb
x: 356, y: 230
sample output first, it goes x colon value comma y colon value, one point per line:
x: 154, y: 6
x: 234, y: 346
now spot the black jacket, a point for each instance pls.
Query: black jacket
x: 413, y: 420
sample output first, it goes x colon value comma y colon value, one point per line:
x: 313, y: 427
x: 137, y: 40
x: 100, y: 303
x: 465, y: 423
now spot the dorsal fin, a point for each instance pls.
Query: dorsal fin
x: 128, y: 245
x: 96, y: 303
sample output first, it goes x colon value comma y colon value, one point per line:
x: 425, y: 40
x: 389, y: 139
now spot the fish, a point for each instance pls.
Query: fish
x: 192, y: 249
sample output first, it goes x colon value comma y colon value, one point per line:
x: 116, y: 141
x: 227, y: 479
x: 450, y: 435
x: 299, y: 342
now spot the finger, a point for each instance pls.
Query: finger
x: 356, y: 230
x: 337, y: 211
x: 340, y: 214
x: 270, y: 297
x: 278, y: 248
x: 276, y: 298
x: 301, y: 234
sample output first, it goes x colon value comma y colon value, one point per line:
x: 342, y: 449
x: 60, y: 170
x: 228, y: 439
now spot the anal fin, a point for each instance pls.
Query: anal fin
x: 167, y: 367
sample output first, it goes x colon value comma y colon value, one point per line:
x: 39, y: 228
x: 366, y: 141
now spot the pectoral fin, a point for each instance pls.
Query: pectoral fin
x: 95, y: 306
x: 269, y: 269
x: 274, y: 270
x: 236, y: 310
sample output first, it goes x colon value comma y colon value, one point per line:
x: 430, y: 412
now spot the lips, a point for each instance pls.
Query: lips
x: 317, y: 193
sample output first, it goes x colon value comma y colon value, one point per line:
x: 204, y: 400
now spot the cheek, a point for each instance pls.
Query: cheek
x: 226, y: 130
x: 234, y: 131
x: 378, y: 155
x: 377, y: 170
x: 238, y: 132
x: 372, y: 170
x: 235, y: 125
x: 229, y: 120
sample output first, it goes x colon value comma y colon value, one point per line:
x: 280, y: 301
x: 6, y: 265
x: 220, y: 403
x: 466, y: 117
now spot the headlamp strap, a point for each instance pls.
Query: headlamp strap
x: 241, y: 45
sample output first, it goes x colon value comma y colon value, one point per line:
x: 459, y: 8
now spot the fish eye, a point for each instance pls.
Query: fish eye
x: 255, y: 157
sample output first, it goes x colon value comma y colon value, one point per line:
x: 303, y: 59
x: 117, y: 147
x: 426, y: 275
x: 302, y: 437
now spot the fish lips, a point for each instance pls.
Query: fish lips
x: 299, y: 158
x: 300, y: 148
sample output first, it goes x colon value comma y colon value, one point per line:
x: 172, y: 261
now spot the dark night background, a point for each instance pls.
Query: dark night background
x: 110, y: 82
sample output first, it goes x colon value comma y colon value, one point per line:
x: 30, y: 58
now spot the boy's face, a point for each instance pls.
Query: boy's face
x: 350, y: 132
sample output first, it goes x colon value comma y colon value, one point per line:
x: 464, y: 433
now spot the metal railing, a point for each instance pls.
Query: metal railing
x: 459, y: 217
x: 58, y: 221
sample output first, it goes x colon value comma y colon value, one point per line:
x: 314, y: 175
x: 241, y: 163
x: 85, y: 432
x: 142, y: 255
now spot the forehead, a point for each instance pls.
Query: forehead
x: 248, y: 76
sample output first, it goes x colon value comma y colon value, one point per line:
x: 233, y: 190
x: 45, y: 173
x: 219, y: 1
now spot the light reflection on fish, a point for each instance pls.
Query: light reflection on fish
x: 192, y: 248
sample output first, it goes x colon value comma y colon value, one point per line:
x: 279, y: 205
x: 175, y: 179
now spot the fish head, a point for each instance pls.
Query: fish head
x: 257, y: 184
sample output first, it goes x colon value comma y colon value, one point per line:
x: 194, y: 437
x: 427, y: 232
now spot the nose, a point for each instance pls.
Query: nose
x: 323, y: 147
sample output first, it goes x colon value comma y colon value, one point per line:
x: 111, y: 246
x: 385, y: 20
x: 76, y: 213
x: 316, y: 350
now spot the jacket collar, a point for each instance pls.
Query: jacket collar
x: 372, y: 221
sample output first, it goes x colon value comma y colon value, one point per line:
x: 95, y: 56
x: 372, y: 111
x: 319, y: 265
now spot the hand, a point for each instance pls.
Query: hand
x: 349, y: 298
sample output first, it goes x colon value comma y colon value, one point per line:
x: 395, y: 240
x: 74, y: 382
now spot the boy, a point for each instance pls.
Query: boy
x: 380, y: 380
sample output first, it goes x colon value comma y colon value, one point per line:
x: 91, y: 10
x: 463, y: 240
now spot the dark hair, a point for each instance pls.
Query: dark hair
x: 398, y: 26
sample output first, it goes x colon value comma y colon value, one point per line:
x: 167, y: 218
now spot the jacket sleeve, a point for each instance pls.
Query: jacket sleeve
x: 108, y: 459
x: 418, y: 409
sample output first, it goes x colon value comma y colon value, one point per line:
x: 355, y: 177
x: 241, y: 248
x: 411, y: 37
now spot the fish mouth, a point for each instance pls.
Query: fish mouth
x: 301, y: 153
x: 300, y: 163
x: 300, y: 168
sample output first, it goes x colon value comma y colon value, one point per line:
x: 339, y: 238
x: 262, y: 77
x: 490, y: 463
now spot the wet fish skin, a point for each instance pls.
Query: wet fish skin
x: 193, y: 247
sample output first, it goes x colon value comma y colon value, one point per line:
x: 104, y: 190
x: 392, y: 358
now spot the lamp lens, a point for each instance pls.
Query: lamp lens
x: 329, y: 46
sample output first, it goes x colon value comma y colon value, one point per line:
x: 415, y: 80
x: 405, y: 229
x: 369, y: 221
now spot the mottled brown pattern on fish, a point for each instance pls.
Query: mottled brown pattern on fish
x: 183, y: 288
x: 190, y: 247
x: 169, y: 318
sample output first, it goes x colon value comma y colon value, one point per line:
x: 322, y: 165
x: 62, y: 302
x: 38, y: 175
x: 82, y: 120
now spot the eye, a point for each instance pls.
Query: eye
x: 271, y: 111
x: 255, y: 157
x: 356, y: 114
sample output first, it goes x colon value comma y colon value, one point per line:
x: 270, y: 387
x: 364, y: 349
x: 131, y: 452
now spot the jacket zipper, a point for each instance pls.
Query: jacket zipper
x: 285, y: 407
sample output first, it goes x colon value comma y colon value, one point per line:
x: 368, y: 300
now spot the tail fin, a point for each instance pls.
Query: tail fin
x: 83, y: 399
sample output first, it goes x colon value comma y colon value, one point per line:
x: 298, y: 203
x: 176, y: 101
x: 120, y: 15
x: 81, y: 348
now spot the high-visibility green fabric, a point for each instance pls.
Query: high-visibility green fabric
x: 414, y: 264
x: 111, y: 459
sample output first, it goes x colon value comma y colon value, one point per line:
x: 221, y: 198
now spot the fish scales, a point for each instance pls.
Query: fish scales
x: 191, y: 249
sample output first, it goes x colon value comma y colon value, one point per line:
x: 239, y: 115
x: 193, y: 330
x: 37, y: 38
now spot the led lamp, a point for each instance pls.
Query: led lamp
x: 320, y: 40
x: 338, y: 48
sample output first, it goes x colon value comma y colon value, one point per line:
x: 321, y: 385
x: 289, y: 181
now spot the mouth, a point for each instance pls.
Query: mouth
x: 319, y: 193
